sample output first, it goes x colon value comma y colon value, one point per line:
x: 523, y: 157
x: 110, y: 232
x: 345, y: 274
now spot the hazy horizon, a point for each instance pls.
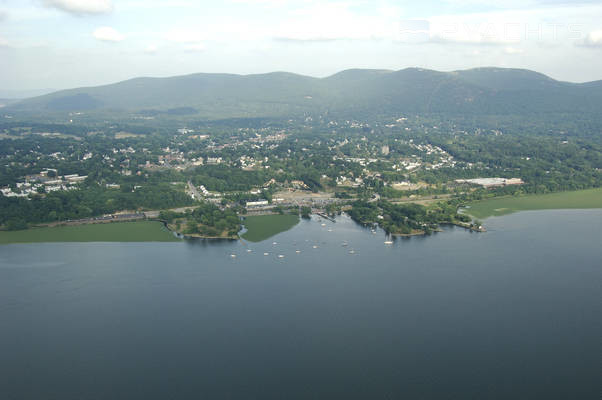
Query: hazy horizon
x: 73, y: 43
x: 27, y: 93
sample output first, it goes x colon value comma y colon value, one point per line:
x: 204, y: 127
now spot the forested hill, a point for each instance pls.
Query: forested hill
x: 493, y: 91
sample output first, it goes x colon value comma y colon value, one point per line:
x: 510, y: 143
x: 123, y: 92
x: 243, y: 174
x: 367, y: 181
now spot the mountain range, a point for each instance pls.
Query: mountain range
x: 351, y: 92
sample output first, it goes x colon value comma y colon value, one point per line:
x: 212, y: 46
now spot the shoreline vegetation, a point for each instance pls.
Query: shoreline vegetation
x: 409, y: 219
x: 397, y: 220
x: 499, y: 206
x: 260, y: 227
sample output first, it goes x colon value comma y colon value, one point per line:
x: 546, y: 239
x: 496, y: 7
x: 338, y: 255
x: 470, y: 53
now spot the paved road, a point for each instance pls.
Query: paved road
x: 194, y: 191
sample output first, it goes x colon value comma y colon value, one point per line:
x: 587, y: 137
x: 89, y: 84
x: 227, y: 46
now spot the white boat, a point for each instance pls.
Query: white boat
x: 280, y: 256
x: 233, y: 255
x: 274, y: 243
x: 344, y: 244
x: 266, y: 254
x: 314, y: 246
x: 249, y: 250
x: 297, y: 251
x: 351, y: 251
x: 323, y: 224
x: 388, y: 242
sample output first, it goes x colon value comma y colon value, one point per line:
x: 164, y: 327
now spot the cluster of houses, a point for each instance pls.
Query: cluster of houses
x: 45, y: 182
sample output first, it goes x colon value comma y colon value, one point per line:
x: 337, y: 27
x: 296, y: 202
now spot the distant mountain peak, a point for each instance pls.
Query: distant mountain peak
x: 485, y: 90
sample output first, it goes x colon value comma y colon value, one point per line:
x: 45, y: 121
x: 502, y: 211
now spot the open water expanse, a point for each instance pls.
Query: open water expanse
x: 514, y: 313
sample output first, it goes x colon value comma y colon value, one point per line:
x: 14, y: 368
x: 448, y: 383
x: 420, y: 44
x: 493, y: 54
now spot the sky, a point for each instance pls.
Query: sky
x: 71, y: 43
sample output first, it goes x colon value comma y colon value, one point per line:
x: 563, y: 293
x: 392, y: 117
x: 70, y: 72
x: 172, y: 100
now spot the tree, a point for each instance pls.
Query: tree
x: 16, y: 224
x: 305, y: 212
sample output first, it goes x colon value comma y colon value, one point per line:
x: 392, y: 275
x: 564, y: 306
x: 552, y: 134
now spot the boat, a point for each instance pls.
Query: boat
x: 344, y: 244
x: 249, y: 250
x: 233, y: 255
x: 314, y: 246
x: 266, y: 254
x: 388, y: 242
x: 297, y: 251
x: 280, y: 256
x: 351, y: 251
x: 323, y: 224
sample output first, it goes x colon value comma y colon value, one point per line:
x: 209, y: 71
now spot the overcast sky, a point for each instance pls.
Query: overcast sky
x: 69, y: 43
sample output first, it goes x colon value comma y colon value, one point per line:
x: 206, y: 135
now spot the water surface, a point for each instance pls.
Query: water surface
x: 511, y: 313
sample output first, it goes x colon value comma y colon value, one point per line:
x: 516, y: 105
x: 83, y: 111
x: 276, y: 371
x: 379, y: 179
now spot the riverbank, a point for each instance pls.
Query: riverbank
x: 498, y: 206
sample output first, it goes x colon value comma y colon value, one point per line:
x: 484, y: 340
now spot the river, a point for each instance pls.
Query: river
x: 507, y: 314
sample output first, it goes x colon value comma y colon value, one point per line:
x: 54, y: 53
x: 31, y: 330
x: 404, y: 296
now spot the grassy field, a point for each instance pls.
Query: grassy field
x: 591, y: 198
x: 261, y: 227
x: 143, y: 231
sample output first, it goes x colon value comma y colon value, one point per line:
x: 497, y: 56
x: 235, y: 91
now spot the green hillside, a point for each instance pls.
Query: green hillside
x: 382, y: 92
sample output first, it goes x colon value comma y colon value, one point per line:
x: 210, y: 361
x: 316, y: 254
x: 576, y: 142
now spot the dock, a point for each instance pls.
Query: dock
x: 326, y: 216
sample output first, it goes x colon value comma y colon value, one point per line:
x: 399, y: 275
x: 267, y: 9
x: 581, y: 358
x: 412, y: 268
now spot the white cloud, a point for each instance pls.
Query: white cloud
x: 191, y: 39
x: 108, y: 34
x: 151, y: 49
x: 180, y: 35
x: 508, y: 4
x: 513, y: 50
x: 551, y: 25
x: 195, y: 47
x: 489, y: 29
x: 81, y: 7
x: 336, y: 21
x: 593, y: 39
x: 261, y: 2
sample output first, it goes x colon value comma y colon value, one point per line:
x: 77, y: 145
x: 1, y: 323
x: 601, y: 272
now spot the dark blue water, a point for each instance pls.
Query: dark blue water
x: 514, y: 313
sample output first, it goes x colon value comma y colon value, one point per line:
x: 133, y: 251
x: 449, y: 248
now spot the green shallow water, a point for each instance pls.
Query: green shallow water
x: 262, y: 227
x: 142, y: 231
x: 582, y: 199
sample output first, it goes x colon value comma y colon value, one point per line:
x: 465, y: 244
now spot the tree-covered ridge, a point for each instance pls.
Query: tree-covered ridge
x: 492, y: 91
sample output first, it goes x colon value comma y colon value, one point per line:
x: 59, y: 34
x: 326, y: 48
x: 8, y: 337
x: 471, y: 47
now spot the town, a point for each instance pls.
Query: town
x: 80, y: 172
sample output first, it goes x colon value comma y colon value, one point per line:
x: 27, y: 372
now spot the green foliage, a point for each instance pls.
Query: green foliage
x: 305, y: 212
x: 208, y: 220
x: 351, y: 93
x: 15, y: 224
x: 89, y: 202
x: 222, y: 178
x: 404, y: 218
